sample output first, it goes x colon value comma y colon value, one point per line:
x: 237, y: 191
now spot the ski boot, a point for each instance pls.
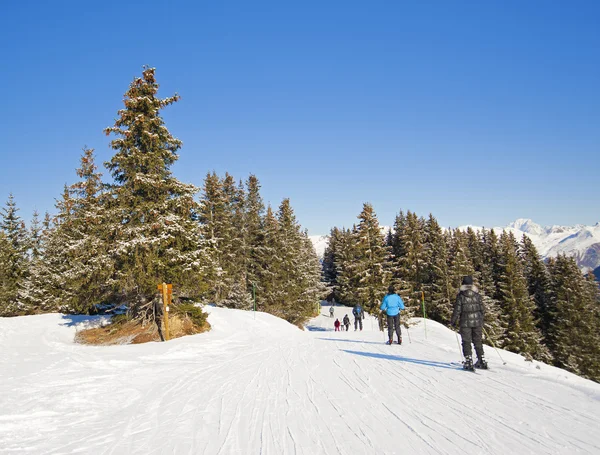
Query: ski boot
x: 468, y: 363
x: 481, y: 363
x: 400, y: 340
x: 390, y: 342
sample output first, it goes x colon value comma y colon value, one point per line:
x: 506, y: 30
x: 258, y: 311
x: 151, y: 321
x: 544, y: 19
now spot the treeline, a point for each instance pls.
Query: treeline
x: 547, y: 311
x: 112, y: 244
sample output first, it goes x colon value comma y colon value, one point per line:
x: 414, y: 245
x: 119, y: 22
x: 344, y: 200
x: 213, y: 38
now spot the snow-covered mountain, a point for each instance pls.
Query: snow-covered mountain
x: 580, y: 241
x: 255, y: 384
x: 320, y: 243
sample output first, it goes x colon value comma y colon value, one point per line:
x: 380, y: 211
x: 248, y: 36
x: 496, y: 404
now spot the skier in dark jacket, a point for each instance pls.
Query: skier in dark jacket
x: 359, y: 315
x: 392, y: 304
x: 157, y: 308
x: 346, y: 322
x: 337, y: 324
x: 469, y: 312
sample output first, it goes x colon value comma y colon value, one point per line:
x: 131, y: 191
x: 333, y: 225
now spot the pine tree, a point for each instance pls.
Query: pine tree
x: 575, y: 319
x: 330, y: 271
x: 410, y: 262
x: 438, y: 297
x: 15, y: 260
x: 254, y: 215
x: 156, y: 236
x: 86, y: 278
x: 538, y: 282
x: 521, y: 335
x: 292, y: 280
x: 369, y: 268
x: 346, y: 254
x: 267, y: 263
x: 459, y: 263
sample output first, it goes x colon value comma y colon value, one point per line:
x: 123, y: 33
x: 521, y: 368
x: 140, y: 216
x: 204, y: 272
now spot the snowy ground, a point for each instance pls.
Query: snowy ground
x: 256, y: 384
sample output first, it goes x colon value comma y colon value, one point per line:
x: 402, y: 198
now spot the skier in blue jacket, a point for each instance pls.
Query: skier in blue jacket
x: 392, y: 304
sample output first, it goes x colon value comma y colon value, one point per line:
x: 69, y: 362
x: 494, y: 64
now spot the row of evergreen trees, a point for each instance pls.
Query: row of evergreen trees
x: 548, y: 311
x: 114, y: 243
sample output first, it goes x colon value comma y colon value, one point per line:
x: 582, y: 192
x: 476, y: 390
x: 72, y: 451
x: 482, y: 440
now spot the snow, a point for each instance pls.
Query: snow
x: 256, y: 384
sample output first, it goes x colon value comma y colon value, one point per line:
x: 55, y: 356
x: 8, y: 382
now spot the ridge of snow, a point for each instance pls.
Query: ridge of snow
x: 257, y: 384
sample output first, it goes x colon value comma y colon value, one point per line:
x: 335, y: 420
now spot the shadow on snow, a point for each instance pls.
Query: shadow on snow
x: 400, y: 358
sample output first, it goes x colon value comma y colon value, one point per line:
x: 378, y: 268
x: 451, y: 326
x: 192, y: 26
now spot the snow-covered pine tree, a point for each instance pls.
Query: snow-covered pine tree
x: 298, y: 273
x: 330, y: 271
x: 575, y: 319
x: 156, y: 238
x: 6, y: 308
x: 410, y: 264
x: 489, y: 274
x: 459, y: 263
x: 521, y: 335
x: 32, y: 294
x: 212, y: 213
x: 346, y: 255
x: 233, y: 246
x: 268, y: 263
x: 254, y: 217
x: 15, y: 259
x: 313, y: 289
x: 397, y: 261
x: 538, y: 282
x: 369, y: 267
x: 439, y: 300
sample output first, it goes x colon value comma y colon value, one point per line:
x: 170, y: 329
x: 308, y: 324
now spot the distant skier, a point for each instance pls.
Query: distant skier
x: 346, y: 321
x: 469, y: 311
x: 337, y: 325
x: 359, y: 315
x: 331, y: 311
x: 157, y: 309
x: 392, y: 304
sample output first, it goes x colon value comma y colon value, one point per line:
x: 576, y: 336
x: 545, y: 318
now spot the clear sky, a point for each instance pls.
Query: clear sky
x: 478, y: 112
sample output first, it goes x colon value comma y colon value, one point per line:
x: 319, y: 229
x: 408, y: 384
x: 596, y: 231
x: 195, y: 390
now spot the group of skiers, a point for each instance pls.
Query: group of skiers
x: 359, y: 315
x: 469, y: 314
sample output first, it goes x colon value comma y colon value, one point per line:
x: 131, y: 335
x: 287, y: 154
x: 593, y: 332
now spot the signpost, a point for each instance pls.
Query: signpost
x: 167, y: 293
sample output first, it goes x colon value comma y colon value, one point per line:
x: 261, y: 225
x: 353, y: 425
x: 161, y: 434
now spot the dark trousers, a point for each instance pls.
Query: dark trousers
x: 394, y: 322
x: 160, y: 334
x: 472, y: 335
x: 357, y: 322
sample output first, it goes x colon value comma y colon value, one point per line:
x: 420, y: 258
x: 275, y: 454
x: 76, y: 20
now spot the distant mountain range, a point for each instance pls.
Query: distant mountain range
x: 580, y: 241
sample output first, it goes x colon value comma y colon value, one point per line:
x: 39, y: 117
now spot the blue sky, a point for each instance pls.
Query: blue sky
x: 477, y: 112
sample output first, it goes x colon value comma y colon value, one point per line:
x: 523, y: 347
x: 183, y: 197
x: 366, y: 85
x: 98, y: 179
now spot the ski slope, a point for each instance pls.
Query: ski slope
x: 255, y: 384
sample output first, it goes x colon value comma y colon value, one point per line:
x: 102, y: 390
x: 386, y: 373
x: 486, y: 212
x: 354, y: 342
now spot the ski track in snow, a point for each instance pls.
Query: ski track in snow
x: 257, y: 385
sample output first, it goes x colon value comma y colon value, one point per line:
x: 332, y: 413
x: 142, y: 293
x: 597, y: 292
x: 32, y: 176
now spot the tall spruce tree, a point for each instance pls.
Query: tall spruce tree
x: 156, y: 237
x: 268, y: 263
x: 438, y: 297
x: 521, y: 335
x: 538, y: 282
x: 346, y: 254
x: 15, y: 259
x: 255, y: 209
x: 330, y: 271
x: 575, y: 319
x: 369, y: 268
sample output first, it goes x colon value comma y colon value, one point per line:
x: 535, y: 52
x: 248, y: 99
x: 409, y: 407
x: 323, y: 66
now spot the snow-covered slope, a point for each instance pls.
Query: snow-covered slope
x: 258, y: 385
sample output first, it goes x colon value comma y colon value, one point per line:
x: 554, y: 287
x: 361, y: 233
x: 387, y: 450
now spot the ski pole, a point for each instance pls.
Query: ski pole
x: 459, y: 348
x: 486, y: 334
x: 408, y: 331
